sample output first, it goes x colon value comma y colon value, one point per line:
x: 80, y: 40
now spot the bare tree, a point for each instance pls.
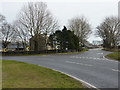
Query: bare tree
x: 22, y: 34
x: 2, y: 20
x: 37, y: 19
x: 8, y: 34
x: 81, y: 28
x: 109, y: 32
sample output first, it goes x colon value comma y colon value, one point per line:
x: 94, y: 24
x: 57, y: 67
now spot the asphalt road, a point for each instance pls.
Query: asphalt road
x: 89, y: 66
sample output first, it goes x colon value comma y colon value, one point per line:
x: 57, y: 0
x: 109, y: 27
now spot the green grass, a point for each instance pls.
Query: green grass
x: 115, y: 56
x: 23, y: 75
x: 111, y: 50
x: 49, y: 53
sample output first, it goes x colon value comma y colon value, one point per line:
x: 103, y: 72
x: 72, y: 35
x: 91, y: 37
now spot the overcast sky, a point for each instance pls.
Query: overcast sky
x: 94, y: 10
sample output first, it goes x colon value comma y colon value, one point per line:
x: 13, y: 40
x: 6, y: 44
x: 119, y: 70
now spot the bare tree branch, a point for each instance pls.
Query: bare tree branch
x: 81, y: 28
x: 109, y: 32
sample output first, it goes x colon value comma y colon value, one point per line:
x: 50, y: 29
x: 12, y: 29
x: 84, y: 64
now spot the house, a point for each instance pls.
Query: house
x: 37, y: 43
x: 11, y: 47
x: 15, y: 46
x: 88, y: 45
x: 0, y: 46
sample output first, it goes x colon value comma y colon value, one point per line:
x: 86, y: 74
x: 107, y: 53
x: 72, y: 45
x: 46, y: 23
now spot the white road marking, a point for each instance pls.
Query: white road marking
x: 100, y: 53
x: 83, y: 82
x: 105, y: 59
x: 44, y: 55
x: 98, y: 58
x: 79, y: 63
x: 115, y: 70
x: 90, y: 57
x: 109, y: 59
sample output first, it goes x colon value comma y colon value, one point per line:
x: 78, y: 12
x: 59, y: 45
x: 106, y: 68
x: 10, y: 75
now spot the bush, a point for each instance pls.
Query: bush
x: 9, y: 53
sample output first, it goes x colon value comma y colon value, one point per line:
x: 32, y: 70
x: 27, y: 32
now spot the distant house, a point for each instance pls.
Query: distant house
x: 15, y: 46
x: 88, y: 45
x: 118, y: 43
x: 97, y: 42
x: 11, y: 47
x: 37, y: 43
x: 0, y: 46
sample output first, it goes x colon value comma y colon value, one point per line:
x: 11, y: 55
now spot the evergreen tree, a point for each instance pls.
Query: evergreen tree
x: 66, y: 39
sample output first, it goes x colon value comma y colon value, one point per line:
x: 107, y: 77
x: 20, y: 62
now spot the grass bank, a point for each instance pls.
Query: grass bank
x: 23, y: 75
x: 114, y: 56
x: 111, y: 50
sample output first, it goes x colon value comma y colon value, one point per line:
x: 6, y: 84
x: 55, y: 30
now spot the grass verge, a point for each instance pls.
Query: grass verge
x: 111, y: 50
x: 114, y: 56
x: 23, y: 75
